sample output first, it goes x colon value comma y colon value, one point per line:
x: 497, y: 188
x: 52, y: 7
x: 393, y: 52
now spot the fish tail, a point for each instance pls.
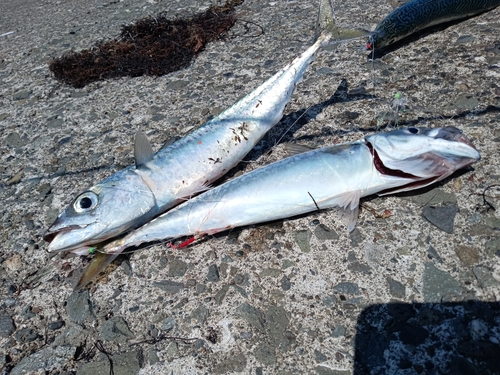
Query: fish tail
x: 328, y: 31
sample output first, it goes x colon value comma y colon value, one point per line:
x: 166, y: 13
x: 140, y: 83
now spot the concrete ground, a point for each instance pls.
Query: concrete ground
x: 416, y: 292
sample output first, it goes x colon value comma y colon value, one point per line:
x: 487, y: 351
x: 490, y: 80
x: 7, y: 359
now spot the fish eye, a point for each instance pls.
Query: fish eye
x: 85, y: 202
x: 413, y: 130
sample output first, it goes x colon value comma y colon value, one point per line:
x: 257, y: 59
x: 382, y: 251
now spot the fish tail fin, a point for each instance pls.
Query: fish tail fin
x: 331, y: 33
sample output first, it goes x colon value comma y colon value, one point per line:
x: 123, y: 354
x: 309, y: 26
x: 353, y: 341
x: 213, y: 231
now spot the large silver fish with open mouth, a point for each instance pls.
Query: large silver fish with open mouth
x: 416, y: 15
x: 157, y: 182
x: 330, y: 177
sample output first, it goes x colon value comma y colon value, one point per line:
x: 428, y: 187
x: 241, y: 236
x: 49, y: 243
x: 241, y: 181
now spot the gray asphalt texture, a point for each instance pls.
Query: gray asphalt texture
x: 414, y: 292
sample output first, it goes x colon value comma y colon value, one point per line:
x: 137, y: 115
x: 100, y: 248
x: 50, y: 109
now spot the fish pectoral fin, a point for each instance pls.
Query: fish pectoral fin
x: 98, y: 264
x: 349, y: 208
x: 143, y: 152
x: 296, y: 148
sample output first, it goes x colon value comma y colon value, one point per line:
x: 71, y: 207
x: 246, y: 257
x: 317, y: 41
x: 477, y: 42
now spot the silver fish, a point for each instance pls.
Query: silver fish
x: 416, y: 15
x: 157, y: 182
x: 331, y: 177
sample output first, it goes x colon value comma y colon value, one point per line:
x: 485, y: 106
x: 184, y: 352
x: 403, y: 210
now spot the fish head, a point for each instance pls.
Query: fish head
x: 382, y: 36
x: 101, y: 212
x: 422, y: 154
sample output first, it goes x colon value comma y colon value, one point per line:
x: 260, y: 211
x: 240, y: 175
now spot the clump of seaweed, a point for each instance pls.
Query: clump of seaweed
x: 152, y: 46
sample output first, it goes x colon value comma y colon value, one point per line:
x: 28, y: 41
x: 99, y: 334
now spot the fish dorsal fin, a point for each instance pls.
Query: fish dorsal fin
x: 295, y: 149
x: 143, y: 152
x: 349, y: 209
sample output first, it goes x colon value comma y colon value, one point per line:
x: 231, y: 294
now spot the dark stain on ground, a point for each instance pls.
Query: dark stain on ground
x: 152, y: 46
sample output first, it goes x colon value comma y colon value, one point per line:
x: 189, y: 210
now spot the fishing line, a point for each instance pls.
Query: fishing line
x: 290, y: 127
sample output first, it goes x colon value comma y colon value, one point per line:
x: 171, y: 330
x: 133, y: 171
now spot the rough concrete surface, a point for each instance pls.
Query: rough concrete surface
x: 416, y: 292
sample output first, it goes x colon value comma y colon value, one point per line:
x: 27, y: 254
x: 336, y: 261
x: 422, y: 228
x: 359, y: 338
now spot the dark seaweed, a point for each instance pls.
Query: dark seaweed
x: 152, y: 46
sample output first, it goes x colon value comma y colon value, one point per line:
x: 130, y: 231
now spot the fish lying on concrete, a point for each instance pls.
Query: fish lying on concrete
x: 157, y: 182
x: 416, y: 15
x: 331, y: 177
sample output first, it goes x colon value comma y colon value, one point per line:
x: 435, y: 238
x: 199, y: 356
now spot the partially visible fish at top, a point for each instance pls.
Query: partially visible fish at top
x: 331, y: 177
x: 157, y: 182
x: 416, y: 15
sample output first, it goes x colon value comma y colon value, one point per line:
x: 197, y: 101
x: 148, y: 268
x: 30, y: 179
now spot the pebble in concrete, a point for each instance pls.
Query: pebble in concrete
x: 124, y: 364
x: 78, y: 307
x: 116, y: 329
x: 302, y: 238
x: 213, y: 273
x: 442, y: 217
x: 47, y: 359
x: 6, y: 326
x: 439, y: 285
x: 169, y: 286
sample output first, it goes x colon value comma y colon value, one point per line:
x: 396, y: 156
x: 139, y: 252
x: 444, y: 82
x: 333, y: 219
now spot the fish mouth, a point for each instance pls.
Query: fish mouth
x: 69, y: 238
x: 50, y: 235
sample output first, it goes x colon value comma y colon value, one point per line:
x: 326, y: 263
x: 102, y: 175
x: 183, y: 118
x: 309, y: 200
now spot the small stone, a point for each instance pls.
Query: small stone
x: 357, y: 266
x: 72, y: 336
x: 271, y: 272
x: 433, y: 197
x: 200, y: 314
x: 172, y: 351
x: 302, y: 238
x: 128, y: 363
x: 153, y: 357
x: 339, y: 331
x: 347, y: 288
x: 6, y: 326
x: 55, y: 325
x: 168, y: 324
x: 493, y: 247
x: 485, y: 277
x: 169, y: 286
x: 464, y: 101
x: 433, y: 254
x: 176, y: 85
x: 276, y: 322
x: 252, y: 315
x: 221, y: 294
x: 213, y: 273
x: 236, y: 362
x: 177, y: 268
x: 467, y: 255
x: 14, y: 140
x: 78, y: 306
x: 438, y: 285
x: 48, y: 359
x: 116, y: 329
x: 265, y: 354
x: 442, y: 217
x: 396, y: 289
x: 285, y: 283
x: 322, y: 233
x: 320, y: 357
x: 329, y: 301
x: 465, y: 39
x: 288, y: 341
x: 25, y: 335
x: 239, y: 279
x: 21, y: 94
x: 356, y: 237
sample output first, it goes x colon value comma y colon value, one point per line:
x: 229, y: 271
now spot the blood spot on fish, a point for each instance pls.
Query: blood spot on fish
x: 199, y: 142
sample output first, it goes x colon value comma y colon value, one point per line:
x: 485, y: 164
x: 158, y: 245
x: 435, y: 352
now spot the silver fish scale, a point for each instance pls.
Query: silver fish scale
x: 419, y: 14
